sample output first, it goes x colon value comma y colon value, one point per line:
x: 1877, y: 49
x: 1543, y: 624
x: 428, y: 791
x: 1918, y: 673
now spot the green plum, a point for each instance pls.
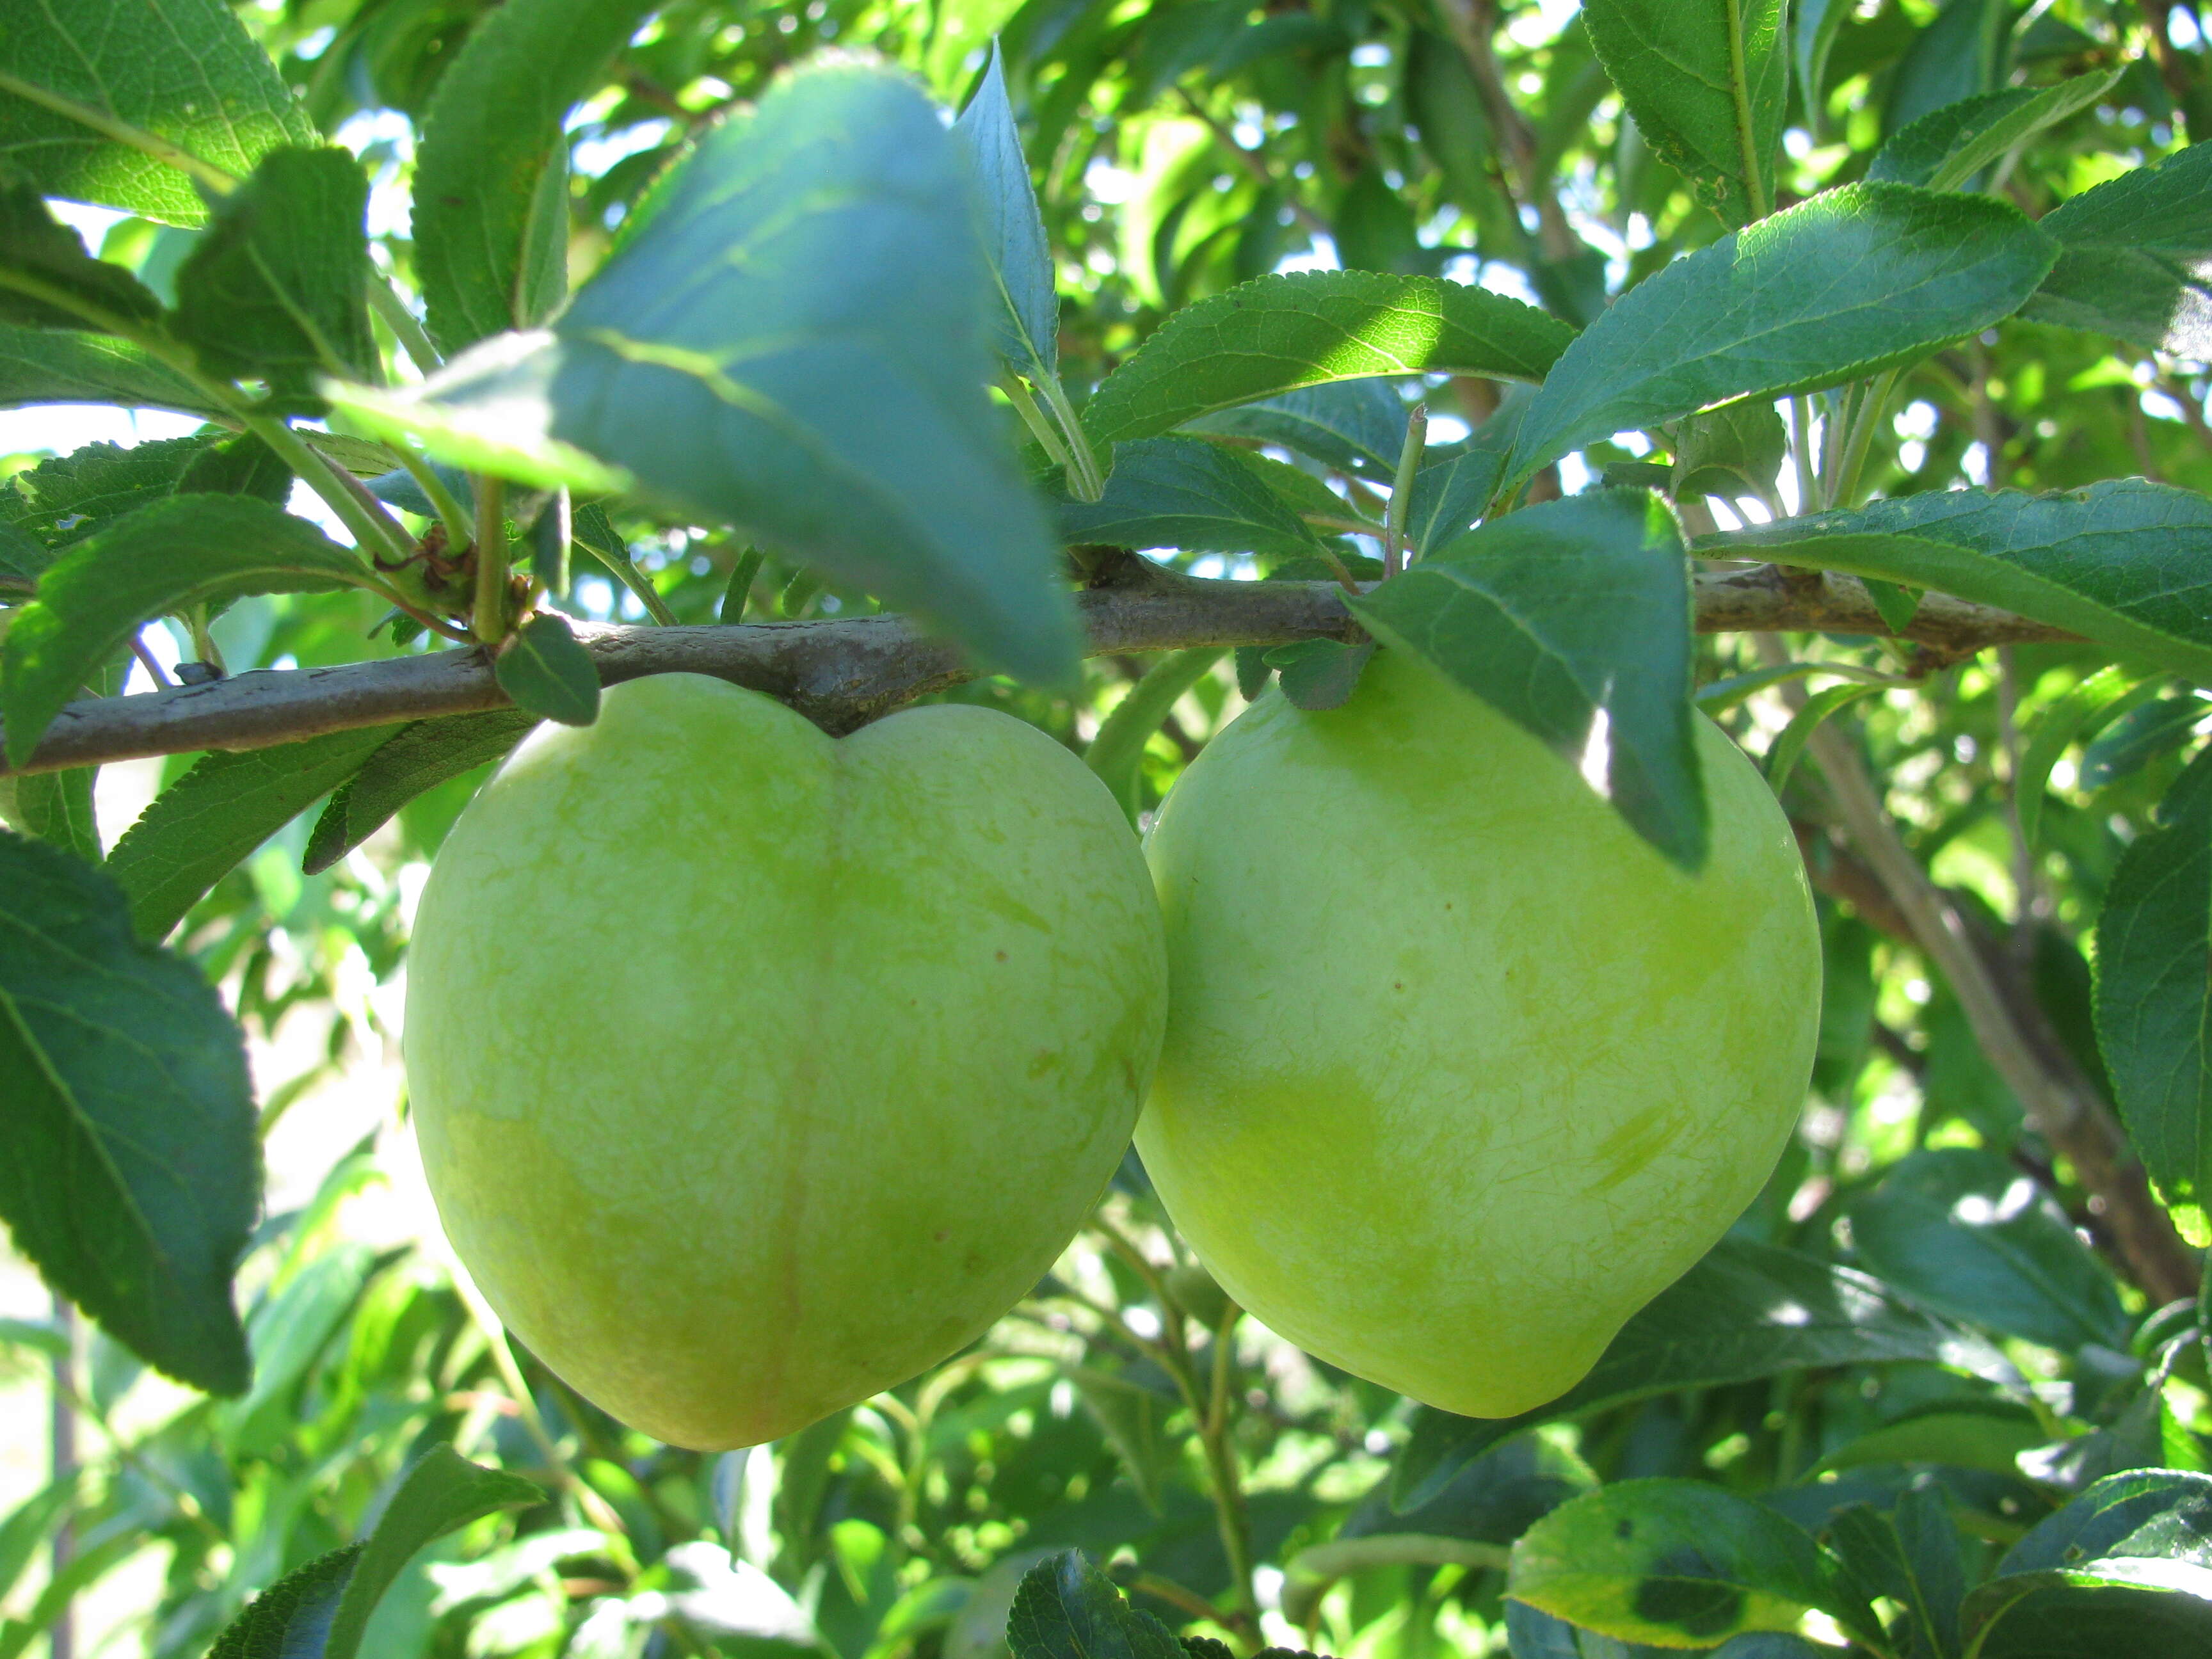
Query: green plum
x: 1459, y: 1072
x: 755, y: 1070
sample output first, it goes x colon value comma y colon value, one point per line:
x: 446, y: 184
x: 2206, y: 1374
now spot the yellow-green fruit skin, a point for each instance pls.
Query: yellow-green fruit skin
x: 756, y: 1071
x: 1459, y: 1072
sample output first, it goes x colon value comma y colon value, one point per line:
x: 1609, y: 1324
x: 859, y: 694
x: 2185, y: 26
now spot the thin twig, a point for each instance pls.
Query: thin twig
x: 842, y: 674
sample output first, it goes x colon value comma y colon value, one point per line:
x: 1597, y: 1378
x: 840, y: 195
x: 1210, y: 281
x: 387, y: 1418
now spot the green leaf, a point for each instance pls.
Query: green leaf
x: 2136, y: 257
x: 321, y: 1611
x: 1789, y: 747
x: 1675, y: 1563
x: 491, y: 178
x: 1278, y: 333
x: 1557, y: 611
x: 1853, y: 281
x: 2153, y: 989
x: 1912, y: 1556
x: 2140, y: 736
x: 1133, y: 1420
x: 1025, y: 326
x: 491, y: 409
x: 1186, y: 493
x: 1745, y: 1311
x: 184, y: 72
x: 189, y: 549
x: 830, y: 405
x: 46, y: 276
x: 277, y: 287
x: 203, y: 825
x: 1812, y: 26
x: 2078, y: 714
x: 1318, y: 674
x: 2126, y: 562
x: 1708, y: 81
x: 419, y: 757
x: 1989, y: 1435
x: 1737, y: 450
x: 1450, y: 493
x: 1117, y: 753
x: 1897, y: 605
x: 442, y: 1491
x: 2124, y: 1568
x: 289, y: 1619
x: 1964, y: 1233
x: 1067, y: 1609
x: 67, y: 498
x: 40, y: 366
x: 1536, y: 1635
x: 1947, y: 147
x: 548, y: 672
x: 129, y: 1169
x: 1727, y: 693
x: 56, y: 807
x: 1354, y: 426
x: 1956, y: 55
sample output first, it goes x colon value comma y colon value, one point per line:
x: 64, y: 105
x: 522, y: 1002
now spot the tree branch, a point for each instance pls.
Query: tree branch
x: 2060, y: 1103
x: 843, y: 674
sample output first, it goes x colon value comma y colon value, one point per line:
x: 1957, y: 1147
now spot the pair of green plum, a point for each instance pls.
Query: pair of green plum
x: 756, y: 1071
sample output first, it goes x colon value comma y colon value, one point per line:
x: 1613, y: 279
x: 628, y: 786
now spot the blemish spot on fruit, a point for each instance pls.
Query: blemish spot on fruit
x: 1000, y: 955
x: 937, y: 1236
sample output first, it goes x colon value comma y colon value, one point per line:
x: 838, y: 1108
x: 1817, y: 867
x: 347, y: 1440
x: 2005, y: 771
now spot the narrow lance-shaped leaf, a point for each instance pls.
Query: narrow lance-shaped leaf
x: 47, y: 280
x: 421, y: 755
x: 188, y: 550
x: 1555, y: 613
x: 277, y: 287
x: 491, y: 201
x: 1025, y: 324
x: 204, y: 824
x: 1708, y: 81
x: 1745, y: 1311
x: 1856, y: 279
x: 2153, y: 989
x: 1947, y: 146
x: 2136, y: 258
x: 2127, y: 563
x: 1812, y: 26
x: 824, y: 392
x: 130, y: 1170
x: 1278, y: 333
x: 185, y: 72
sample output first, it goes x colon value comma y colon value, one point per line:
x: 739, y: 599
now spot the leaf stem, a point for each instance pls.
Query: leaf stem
x: 1401, y: 491
x: 384, y: 300
x: 487, y: 617
x: 1091, y: 478
x: 1845, y: 489
x: 1040, y: 429
x: 1801, y: 453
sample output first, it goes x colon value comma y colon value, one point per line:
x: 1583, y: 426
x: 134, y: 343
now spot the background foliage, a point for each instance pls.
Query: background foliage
x: 1923, y: 1348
